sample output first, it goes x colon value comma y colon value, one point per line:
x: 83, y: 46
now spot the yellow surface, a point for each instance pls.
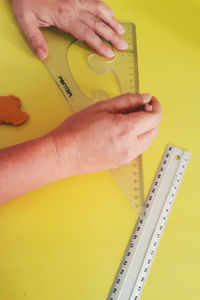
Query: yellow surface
x: 65, y: 240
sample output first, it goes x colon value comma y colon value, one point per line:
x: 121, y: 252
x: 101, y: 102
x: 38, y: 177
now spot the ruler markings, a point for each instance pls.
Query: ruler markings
x: 129, y: 177
x: 144, y: 241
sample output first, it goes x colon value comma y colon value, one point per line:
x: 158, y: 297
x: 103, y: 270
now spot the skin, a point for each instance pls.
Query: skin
x: 122, y: 127
x: 88, y: 20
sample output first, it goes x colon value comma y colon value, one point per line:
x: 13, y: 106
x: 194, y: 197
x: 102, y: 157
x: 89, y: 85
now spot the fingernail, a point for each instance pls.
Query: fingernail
x: 41, y: 53
x: 146, y: 98
x: 121, y: 29
x: 123, y: 45
x: 109, y: 53
x: 148, y: 107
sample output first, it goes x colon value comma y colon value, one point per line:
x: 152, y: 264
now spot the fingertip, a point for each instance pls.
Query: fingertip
x: 146, y: 98
x: 106, y: 52
x: 122, y: 45
x: 121, y: 29
x: 148, y: 107
x: 156, y: 106
x: 41, y: 53
x: 109, y: 53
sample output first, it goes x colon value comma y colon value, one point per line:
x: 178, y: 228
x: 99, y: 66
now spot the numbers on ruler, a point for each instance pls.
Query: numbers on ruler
x: 148, y: 259
x: 125, y: 262
x: 156, y: 184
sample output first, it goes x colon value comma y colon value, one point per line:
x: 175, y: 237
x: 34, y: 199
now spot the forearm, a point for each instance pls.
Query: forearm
x: 27, y: 166
x: 103, y: 136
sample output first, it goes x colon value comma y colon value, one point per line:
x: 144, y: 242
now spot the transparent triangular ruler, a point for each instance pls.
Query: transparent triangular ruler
x: 140, y: 252
x: 124, y: 66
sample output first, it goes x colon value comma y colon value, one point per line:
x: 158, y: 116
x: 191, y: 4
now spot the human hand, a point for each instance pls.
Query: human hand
x: 106, y: 135
x: 87, y: 20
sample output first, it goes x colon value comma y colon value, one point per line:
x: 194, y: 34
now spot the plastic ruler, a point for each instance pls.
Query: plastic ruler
x: 124, y: 66
x: 144, y: 241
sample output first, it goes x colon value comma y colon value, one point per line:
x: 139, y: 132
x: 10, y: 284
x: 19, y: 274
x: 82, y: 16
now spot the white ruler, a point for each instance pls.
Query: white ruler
x: 144, y: 241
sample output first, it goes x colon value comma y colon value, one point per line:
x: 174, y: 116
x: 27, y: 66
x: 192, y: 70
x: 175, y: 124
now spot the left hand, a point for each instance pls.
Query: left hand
x: 87, y: 20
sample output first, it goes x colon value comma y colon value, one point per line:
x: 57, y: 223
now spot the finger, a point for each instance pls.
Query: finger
x: 148, y: 107
x: 85, y: 34
x: 112, y: 22
x: 103, y: 11
x: 144, y: 121
x: 104, y: 30
x: 34, y: 37
x: 146, y: 139
x: 125, y: 103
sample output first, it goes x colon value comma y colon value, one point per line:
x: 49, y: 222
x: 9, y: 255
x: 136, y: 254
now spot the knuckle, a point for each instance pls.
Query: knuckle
x: 97, y: 106
x: 126, y: 128
x: 97, y: 23
x: 97, y: 43
x: 155, y: 132
x: 122, y: 154
x: 34, y: 41
x: 61, y: 12
x: 110, y: 35
x: 64, y: 10
x: 129, y: 98
x: 22, y: 14
x: 66, y: 23
x: 126, y: 155
x: 88, y: 34
x: 125, y: 125
x: 114, y: 22
x: 98, y: 4
x: 123, y: 148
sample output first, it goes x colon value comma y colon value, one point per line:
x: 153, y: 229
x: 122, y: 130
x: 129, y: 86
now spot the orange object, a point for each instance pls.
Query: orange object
x: 10, y: 111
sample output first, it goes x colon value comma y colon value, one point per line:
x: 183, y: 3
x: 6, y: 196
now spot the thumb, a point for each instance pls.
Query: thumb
x: 34, y: 37
x: 125, y: 103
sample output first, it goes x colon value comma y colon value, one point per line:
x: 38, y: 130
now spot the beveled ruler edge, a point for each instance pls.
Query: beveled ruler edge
x: 139, y: 254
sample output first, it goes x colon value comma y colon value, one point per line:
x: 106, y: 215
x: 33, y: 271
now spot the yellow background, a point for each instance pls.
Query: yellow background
x: 65, y: 240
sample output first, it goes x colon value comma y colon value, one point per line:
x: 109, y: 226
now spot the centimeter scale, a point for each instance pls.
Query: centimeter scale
x: 144, y: 241
x: 124, y: 66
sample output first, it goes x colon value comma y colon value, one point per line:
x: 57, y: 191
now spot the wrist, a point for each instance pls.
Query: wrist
x: 64, y: 156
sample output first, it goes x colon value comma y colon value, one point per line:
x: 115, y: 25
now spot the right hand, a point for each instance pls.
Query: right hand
x: 107, y: 134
